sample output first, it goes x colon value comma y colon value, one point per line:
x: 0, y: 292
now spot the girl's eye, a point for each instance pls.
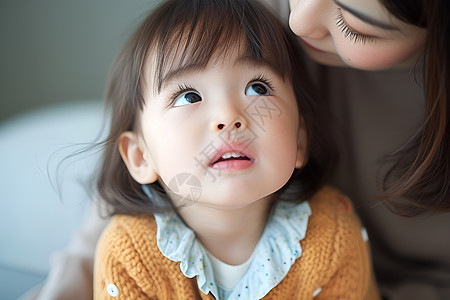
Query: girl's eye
x: 349, y: 33
x: 187, y: 98
x: 257, y: 89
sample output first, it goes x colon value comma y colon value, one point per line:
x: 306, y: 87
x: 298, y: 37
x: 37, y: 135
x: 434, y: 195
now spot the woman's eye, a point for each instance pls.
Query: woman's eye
x: 257, y: 89
x: 187, y: 98
x: 349, y: 33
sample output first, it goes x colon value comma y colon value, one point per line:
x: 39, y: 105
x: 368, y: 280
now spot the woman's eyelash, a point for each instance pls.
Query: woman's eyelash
x: 349, y: 32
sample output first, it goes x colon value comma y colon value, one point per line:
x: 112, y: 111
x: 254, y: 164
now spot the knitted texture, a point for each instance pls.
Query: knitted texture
x: 335, y: 258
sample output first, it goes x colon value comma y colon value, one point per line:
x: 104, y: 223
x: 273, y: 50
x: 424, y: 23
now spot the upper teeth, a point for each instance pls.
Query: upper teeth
x: 232, y: 154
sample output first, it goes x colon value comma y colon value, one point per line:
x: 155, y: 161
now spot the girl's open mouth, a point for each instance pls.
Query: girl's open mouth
x: 231, y: 160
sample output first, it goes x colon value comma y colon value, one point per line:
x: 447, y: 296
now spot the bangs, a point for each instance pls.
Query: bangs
x: 194, y: 32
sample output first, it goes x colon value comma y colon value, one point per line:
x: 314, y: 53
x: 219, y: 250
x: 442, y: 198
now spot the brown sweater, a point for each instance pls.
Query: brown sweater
x: 335, y: 258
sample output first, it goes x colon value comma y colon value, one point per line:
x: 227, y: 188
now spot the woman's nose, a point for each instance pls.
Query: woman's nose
x: 308, y: 18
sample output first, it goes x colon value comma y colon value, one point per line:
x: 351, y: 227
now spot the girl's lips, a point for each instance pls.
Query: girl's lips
x: 231, y: 157
x: 232, y: 164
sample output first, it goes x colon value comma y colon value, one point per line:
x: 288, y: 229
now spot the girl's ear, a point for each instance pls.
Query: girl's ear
x: 133, y: 156
x: 302, y: 147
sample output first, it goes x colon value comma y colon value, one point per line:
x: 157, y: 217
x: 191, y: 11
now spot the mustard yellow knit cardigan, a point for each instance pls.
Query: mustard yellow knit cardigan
x: 335, y: 258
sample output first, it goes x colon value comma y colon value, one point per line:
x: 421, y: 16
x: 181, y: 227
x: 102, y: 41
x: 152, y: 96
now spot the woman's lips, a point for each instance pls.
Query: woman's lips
x: 311, y: 46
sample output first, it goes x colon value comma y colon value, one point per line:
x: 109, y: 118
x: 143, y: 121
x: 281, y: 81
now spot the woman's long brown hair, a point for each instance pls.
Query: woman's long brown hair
x: 421, y: 172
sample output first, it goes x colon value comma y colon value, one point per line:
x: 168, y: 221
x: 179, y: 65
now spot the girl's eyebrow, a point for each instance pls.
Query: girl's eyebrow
x: 251, y: 62
x: 365, y: 18
x: 177, y: 73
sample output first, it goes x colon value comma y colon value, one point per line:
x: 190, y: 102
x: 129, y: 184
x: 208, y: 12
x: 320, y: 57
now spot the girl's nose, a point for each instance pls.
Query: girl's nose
x: 228, y: 117
x: 308, y: 18
x: 237, y: 124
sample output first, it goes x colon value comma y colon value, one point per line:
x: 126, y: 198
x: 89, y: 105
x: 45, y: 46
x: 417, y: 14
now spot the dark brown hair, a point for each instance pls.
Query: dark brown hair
x: 183, y: 33
x: 421, y: 171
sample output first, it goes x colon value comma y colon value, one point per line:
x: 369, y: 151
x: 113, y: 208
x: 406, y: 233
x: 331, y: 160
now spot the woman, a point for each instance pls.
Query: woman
x: 394, y: 127
x: 378, y: 113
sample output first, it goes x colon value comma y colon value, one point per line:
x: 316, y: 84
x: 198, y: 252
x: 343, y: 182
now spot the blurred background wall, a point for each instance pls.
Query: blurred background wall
x: 54, y: 59
x: 60, y: 50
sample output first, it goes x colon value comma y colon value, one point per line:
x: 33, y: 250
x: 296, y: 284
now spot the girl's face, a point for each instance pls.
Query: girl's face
x: 228, y: 133
x: 359, y: 33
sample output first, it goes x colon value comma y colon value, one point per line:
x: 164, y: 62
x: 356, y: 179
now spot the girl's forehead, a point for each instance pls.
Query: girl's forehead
x: 163, y: 68
x: 233, y: 57
x: 214, y: 34
x: 219, y: 62
x: 182, y: 54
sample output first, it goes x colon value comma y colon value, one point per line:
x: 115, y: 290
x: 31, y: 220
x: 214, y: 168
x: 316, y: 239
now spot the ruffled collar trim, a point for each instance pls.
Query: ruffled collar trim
x: 276, y: 251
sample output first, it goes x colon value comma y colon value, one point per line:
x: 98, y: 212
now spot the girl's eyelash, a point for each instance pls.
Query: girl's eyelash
x: 264, y: 79
x: 349, y: 32
x: 182, y: 88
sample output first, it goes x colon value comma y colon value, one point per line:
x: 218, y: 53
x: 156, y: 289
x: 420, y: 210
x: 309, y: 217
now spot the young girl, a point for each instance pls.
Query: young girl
x: 214, y: 166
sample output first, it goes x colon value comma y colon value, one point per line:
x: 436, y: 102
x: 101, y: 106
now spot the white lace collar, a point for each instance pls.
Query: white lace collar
x: 276, y: 251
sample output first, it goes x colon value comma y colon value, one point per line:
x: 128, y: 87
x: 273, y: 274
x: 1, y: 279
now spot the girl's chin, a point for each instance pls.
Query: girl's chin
x: 231, y: 203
